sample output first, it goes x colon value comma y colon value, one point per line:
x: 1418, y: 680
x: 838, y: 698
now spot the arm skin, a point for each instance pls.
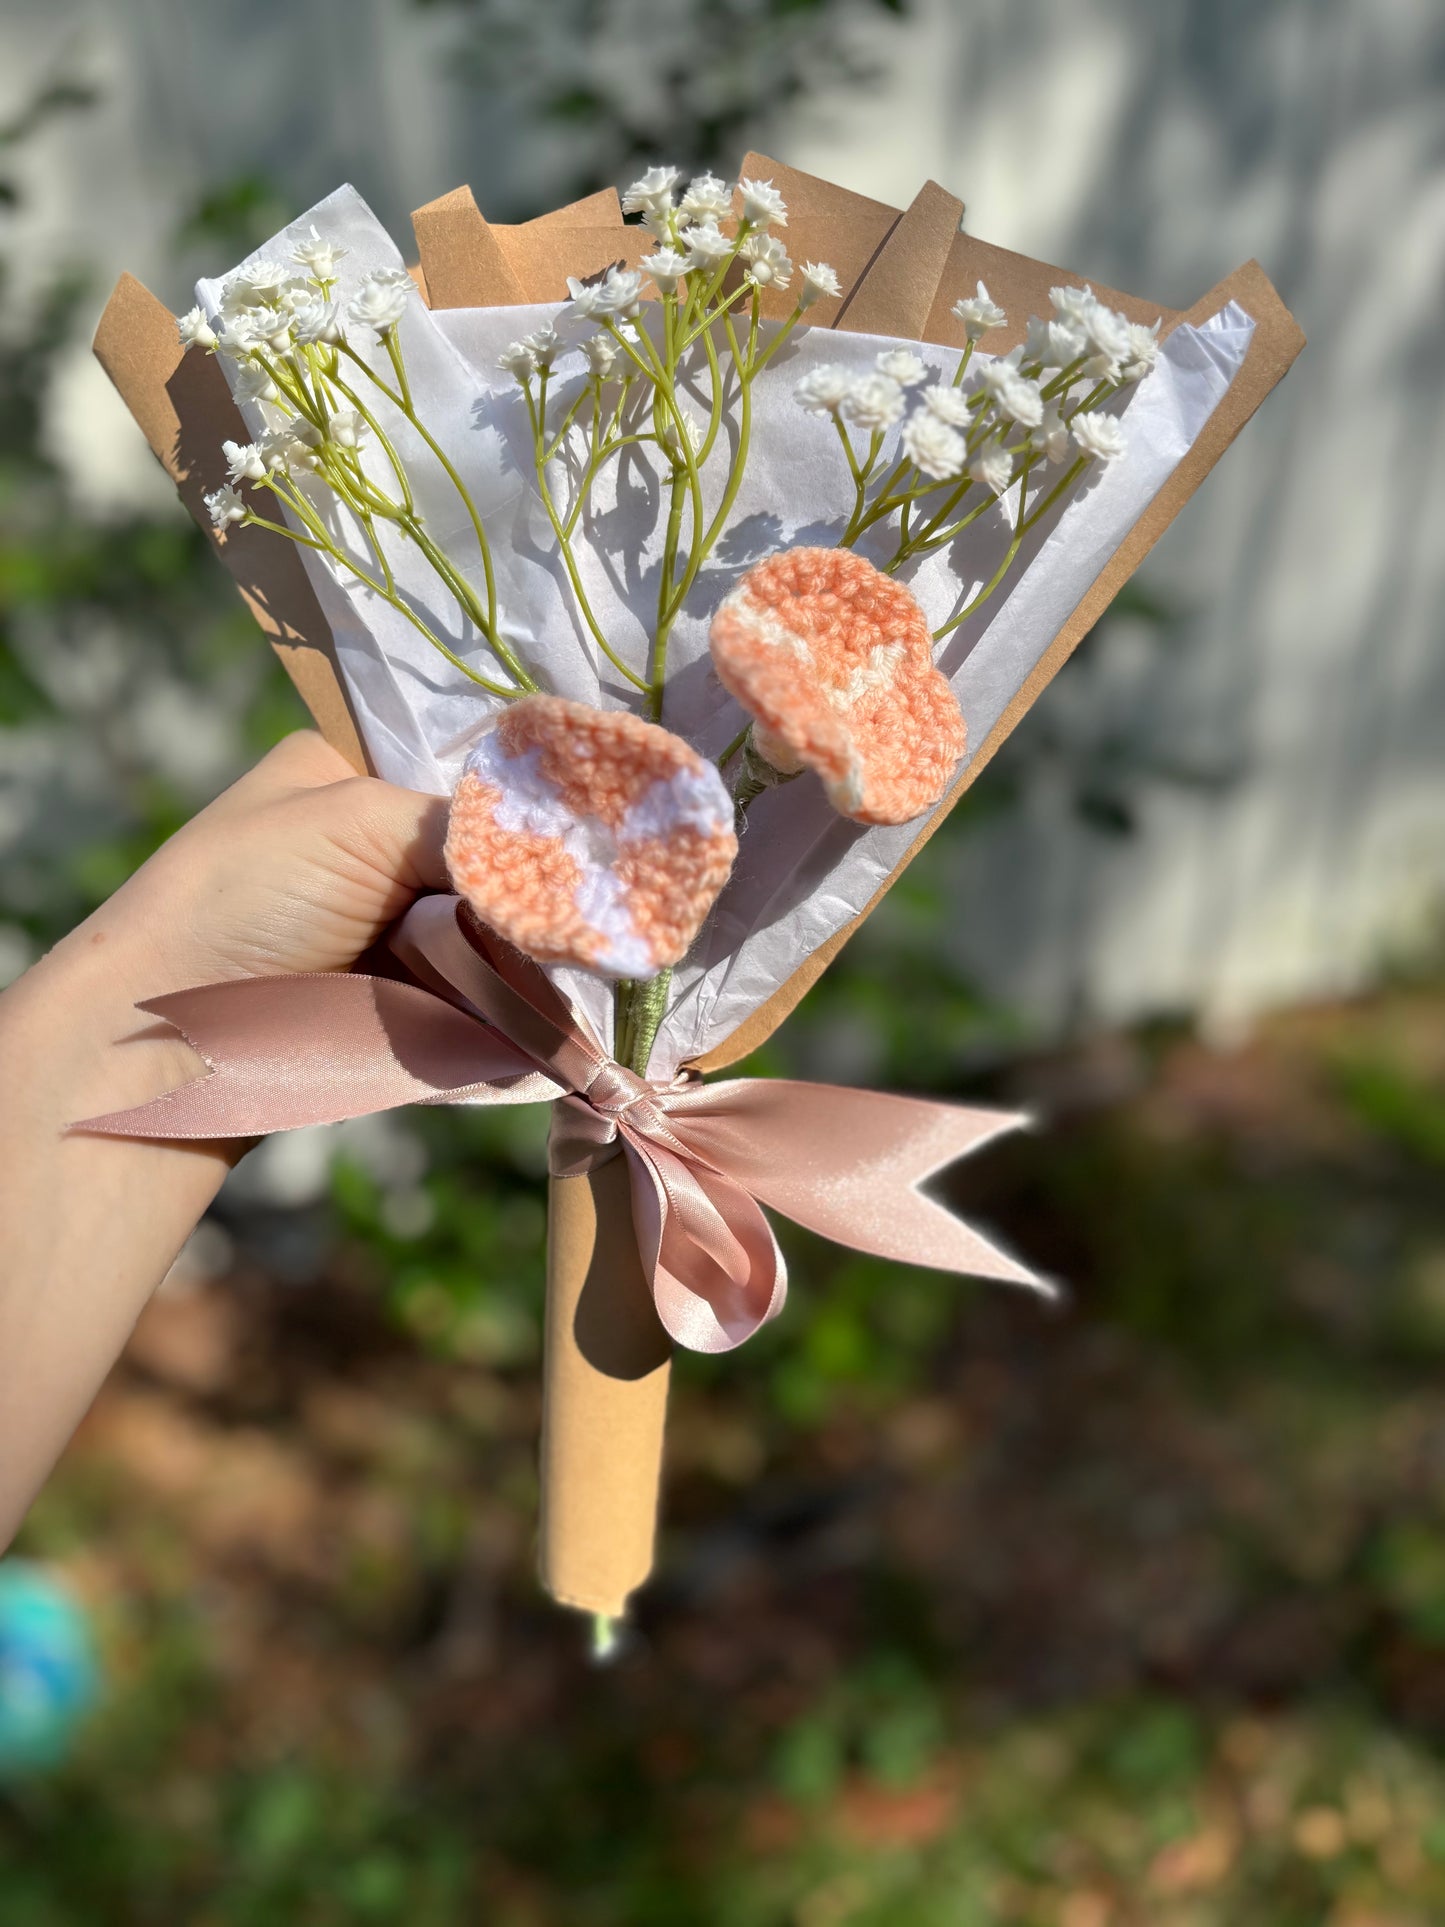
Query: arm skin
x: 300, y: 866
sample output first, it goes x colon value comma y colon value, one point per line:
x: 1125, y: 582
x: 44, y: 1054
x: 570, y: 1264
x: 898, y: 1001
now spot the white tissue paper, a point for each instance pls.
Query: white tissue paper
x: 802, y: 871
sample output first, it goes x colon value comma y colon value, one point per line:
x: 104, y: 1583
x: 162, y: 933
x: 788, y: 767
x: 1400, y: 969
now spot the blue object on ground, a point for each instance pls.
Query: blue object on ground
x: 49, y: 1675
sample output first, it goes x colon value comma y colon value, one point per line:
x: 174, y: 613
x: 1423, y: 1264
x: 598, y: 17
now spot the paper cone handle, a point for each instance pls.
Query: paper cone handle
x: 608, y: 1361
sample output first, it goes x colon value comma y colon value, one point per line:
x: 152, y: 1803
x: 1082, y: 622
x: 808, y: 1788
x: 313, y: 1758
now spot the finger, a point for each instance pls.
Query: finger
x: 302, y: 760
x: 397, y: 832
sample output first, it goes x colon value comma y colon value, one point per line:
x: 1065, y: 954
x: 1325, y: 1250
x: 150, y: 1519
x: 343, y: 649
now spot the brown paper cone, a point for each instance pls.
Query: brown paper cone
x: 604, y: 1399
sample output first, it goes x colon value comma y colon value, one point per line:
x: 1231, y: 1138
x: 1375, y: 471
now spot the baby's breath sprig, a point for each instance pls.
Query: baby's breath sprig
x: 717, y: 250
x: 321, y: 397
x: 991, y: 433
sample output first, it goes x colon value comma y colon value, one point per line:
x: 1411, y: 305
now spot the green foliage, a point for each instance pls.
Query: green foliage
x: 236, y: 215
x: 693, y: 86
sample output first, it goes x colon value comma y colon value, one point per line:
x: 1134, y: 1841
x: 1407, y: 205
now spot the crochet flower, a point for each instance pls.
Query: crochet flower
x: 587, y: 836
x: 834, y: 661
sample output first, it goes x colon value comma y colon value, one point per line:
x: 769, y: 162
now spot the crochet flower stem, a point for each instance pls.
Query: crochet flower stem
x: 641, y: 1006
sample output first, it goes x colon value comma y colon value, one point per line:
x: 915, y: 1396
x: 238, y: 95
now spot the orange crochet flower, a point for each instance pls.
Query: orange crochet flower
x: 834, y: 661
x: 587, y: 836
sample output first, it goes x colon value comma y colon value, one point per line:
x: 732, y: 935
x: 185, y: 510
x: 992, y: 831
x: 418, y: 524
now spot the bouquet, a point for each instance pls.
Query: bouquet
x: 701, y: 559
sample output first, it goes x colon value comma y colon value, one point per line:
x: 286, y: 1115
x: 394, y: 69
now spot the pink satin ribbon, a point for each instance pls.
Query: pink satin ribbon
x: 480, y: 1023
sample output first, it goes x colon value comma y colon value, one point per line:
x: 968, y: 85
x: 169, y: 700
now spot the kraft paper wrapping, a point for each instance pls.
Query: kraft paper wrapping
x: 606, y: 1354
x: 604, y: 1398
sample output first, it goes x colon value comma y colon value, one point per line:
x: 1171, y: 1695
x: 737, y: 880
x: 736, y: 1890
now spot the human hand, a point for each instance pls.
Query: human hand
x: 299, y: 866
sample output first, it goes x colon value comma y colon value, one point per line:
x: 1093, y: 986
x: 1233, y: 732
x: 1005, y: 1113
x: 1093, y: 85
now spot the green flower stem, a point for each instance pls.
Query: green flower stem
x: 714, y: 314
x: 925, y: 543
x: 255, y: 521
x: 376, y: 549
x: 641, y: 1004
x: 711, y: 291
x: 715, y: 389
x: 382, y: 437
x: 564, y: 544
x: 664, y: 591
x: 1026, y: 522
x: 1063, y: 378
x: 401, y: 398
x: 296, y: 502
x: 777, y: 341
x: 393, y: 349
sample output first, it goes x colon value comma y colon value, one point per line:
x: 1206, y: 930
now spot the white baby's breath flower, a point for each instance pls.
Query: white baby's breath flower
x: 274, y: 324
x: 584, y: 297
x: 1073, y: 304
x: 195, y: 331
x: 948, y: 404
x: 1051, y: 437
x: 247, y: 331
x: 1054, y: 343
x: 1143, y: 351
x: 316, y: 319
x: 619, y: 293
x: 993, y: 466
x: 243, y: 461
x: 707, y: 246
x: 763, y: 205
x: 225, y: 506
x: 767, y: 261
x: 650, y: 190
x: 819, y: 281
x: 979, y: 312
x: 255, y: 383
x: 380, y: 301
x: 692, y: 426
x: 257, y: 285
x: 935, y: 449
x: 1013, y: 395
x: 822, y: 390
x: 873, y: 402
x: 903, y: 365
x: 292, y: 445
x: 517, y: 360
x: 238, y: 336
x: 601, y: 352
x: 707, y: 198
x: 1100, y: 367
x: 274, y: 448
x: 666, y: 267
x: 1108, y: 331
x: 318, y: 255
x: 1098, y: 437
x: 545, y: 344
x: 346, y: 428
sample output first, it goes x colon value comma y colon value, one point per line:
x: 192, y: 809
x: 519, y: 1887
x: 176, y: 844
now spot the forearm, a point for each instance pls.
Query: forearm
x: 88, y: 1225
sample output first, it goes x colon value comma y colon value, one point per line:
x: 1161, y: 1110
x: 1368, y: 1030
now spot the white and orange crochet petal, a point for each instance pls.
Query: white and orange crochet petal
x: 587, y: 836
x: 834, y: 662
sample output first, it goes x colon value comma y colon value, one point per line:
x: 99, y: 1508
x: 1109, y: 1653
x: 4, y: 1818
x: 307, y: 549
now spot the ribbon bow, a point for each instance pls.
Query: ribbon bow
x: 480, y: 1023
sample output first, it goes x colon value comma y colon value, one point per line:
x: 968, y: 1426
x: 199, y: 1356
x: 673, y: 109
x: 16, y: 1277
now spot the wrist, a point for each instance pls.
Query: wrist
x: 71, y: 1036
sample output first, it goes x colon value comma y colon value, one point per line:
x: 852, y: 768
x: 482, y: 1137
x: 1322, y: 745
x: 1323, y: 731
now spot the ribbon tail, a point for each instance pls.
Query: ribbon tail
x: 282, y: 1052
x: 708, y: 1251
x: 848, y: 1164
